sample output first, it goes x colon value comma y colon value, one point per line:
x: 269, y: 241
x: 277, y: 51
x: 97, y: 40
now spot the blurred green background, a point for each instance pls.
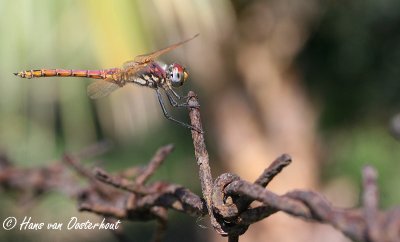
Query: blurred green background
x: 344, y: 58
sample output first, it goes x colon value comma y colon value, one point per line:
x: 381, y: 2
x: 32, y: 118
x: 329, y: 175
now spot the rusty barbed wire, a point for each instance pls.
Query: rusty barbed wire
x: 128, y: 194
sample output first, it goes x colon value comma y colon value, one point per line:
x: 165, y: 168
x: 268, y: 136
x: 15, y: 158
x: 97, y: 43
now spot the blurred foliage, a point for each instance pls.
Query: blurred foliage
x: 351, y: 62
x: 349, y: 150
x: 351, y: 69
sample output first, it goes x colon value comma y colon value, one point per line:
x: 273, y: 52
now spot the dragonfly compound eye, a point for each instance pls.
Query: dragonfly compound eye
x: 178, y: 75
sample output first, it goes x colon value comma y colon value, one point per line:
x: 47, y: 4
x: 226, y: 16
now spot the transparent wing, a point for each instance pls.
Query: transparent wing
x: 133, y: 67
x: 144, y: 59
x: 101, y: 88
x: 132, y: 64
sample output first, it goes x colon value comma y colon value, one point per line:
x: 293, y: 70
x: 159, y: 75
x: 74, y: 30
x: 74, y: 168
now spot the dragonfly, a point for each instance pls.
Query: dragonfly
x: 143, y: 70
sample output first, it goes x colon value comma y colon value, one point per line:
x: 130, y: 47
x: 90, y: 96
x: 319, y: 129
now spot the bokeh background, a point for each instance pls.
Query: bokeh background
x: 316, y: 79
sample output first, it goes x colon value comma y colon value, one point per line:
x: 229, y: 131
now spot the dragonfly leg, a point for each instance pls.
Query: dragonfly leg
x: 174, y: 103
x: 175, y: 94
x: 160, y: 100
x: 178, y: 96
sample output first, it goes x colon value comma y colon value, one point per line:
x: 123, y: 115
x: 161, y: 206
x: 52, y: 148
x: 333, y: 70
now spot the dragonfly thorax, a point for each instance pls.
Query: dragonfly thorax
x: 176, y: 75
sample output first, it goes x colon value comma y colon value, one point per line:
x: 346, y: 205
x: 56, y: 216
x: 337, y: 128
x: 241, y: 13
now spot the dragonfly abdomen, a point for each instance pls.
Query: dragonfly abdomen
x: 95, y: 74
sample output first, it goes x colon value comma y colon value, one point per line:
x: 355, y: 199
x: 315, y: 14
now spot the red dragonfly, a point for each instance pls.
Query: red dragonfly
x: 143, y: 70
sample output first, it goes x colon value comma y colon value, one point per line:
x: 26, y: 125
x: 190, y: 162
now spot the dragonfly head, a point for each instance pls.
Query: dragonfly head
x: 177, y: 75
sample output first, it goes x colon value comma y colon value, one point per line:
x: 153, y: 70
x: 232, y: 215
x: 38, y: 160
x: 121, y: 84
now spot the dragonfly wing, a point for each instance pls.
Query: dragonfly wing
x: 154, y: 55
x: 129, y: 64
x: 101, y: 88
x: 133, y: 66
x: 131, y: 69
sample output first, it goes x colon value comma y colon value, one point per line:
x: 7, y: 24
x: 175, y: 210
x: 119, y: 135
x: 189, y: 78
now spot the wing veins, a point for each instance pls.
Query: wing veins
x: 101, y: 88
